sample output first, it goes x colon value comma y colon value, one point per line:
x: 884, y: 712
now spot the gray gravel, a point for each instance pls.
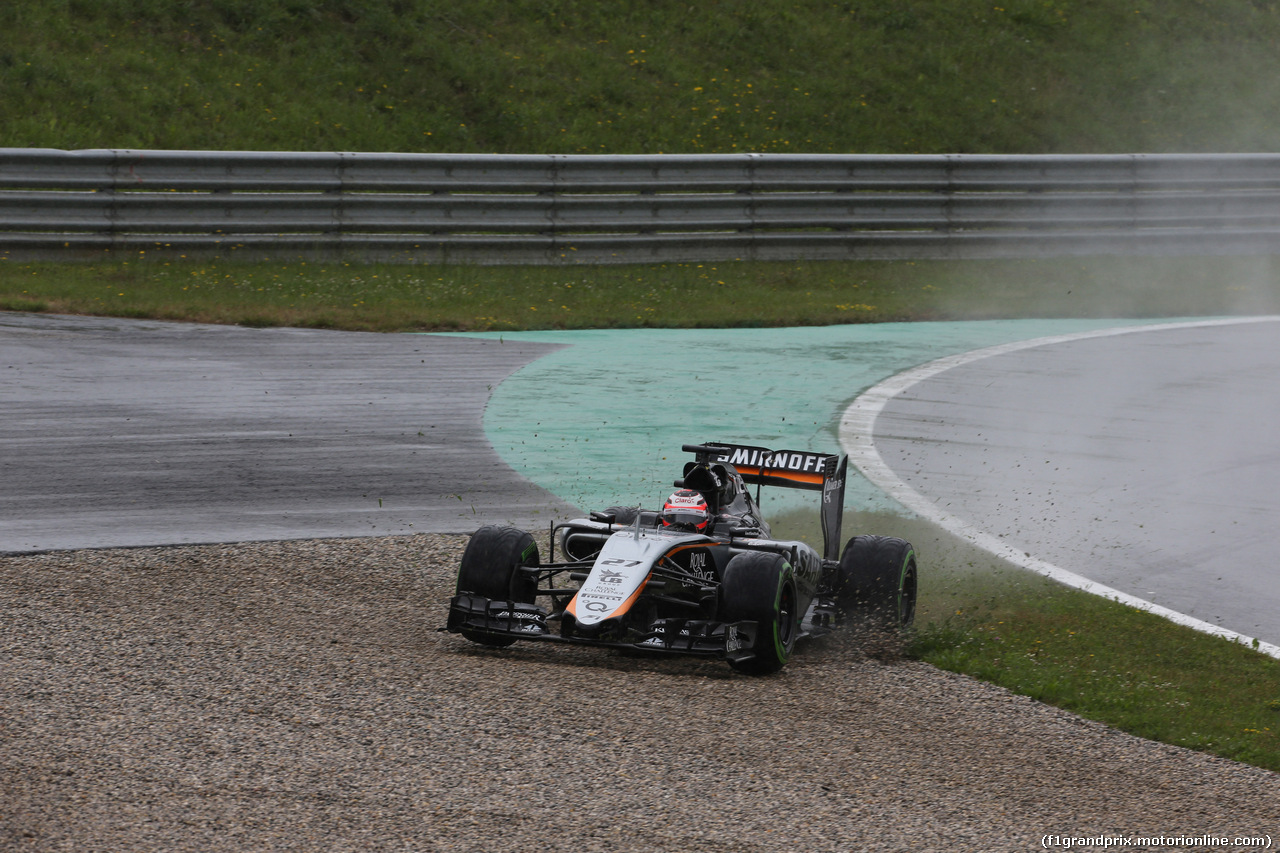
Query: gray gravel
x: 297, y: 696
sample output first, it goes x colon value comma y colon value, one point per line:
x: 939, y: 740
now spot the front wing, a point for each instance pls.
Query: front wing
x: 734, y: 641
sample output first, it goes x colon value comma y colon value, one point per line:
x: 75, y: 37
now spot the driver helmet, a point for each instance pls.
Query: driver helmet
x: 686, y: 510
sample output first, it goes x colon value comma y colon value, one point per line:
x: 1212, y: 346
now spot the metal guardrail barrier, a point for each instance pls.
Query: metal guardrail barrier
x: 600, y: 208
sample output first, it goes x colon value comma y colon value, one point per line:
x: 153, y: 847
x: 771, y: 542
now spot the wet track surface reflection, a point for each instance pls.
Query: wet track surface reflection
x: 1147, y: 462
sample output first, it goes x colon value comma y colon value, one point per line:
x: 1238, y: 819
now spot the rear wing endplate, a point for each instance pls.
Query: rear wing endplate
x: 793, y: 469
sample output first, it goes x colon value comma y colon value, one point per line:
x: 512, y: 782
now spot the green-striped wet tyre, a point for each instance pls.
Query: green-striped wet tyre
x: 490, y: 567
x: 877, y: 584
x: 761, y: 587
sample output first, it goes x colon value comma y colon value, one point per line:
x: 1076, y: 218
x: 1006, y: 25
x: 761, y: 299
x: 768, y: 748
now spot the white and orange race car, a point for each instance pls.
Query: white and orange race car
x: 701, y: 576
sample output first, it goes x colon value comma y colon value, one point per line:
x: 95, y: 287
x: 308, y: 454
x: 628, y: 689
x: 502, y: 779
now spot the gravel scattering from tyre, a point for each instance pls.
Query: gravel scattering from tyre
x: 298, y: 696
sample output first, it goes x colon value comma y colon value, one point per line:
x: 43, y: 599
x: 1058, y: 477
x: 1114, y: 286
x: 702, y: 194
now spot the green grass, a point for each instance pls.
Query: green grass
x: 1109, y: 662
x: 611, y: 76
x: 375, y: 297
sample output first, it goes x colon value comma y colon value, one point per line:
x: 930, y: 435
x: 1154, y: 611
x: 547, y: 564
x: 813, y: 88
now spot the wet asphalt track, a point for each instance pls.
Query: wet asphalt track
x: 121, y: 433
x: 1146, y: 461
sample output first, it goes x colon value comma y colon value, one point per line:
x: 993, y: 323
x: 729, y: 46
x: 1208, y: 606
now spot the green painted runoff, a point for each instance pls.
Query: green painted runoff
x: 600, y: 422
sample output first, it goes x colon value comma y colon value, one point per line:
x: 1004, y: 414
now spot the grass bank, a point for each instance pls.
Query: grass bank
x: 388, y: 298
x: 612, y: 76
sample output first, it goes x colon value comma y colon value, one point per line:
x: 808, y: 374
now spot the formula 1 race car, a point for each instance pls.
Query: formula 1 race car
x: 702, y: 576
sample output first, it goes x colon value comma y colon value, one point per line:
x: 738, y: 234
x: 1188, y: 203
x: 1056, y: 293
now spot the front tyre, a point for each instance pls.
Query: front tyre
x: 491, y: 568
x: 877, y: 582
x: 761, y: 587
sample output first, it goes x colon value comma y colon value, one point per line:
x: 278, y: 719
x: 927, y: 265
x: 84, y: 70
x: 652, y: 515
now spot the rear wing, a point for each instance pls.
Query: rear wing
x: 793, y: 469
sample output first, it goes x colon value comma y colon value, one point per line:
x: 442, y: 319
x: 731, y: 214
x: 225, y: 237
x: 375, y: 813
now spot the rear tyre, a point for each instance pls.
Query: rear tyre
x: 761, y: 587
x: 878, y: 580
x: 491, y: 568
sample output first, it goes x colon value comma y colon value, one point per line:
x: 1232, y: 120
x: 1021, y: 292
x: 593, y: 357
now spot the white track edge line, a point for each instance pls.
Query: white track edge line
x: 857, y: 438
